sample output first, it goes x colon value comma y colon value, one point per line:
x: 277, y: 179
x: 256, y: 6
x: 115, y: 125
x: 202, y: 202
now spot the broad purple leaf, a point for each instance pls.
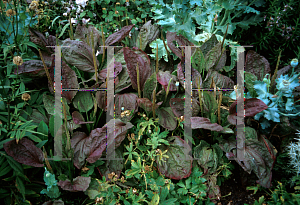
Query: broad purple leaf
x: 164, y: 77
x: 119, y: 35
x: 212, y: 56
x: 33, y: 68
x: 132, y: 59
x: 257, y: 65
x: 181, y: 40
x: 208, y: 157
x: 79, y: 54
x: 167, y: 119
x: 115, y: 166
x: 91, y: 147
x: 128, y: 101
x: 196, y: 77
x: 101, y: 98
x: 80, y: 183
x: 25, y: 152
x: 150, y: 85
x: 252, y: 107
x: 103, y: 73
x: 259, y: 155
x: 179, y: 164
x: 78, y: 118
x: 83, y: 32
x: 146, y: 104
x: 220, y: 80
x: 69, y: 80
x: 39, y: 39
x: 148, y: 33
x: 177, y: 105
x: 85, y: 146
x: 202, y: 122
x: 118, y: 129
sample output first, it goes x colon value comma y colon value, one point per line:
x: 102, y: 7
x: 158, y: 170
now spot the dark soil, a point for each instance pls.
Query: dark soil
x: 234, y: 191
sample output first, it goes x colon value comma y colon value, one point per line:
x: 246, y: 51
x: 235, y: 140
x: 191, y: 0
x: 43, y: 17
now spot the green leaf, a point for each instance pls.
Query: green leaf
x: 83, y: 14
x: 49, y: 103
x: 20, y: 186
x: 63, y: 30
x: 90, y: 14
x: 43, y: 128
x: 83, y: 101
x: 155, y: 200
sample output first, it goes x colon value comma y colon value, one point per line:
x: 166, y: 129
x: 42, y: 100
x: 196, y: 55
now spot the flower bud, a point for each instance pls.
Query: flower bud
x: 26, y: 97
x: 18, y: 60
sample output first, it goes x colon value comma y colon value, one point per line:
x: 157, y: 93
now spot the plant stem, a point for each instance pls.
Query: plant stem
x: 138, y: 79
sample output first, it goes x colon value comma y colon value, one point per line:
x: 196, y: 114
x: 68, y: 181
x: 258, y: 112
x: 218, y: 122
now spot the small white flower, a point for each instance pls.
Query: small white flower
x: 73, y: 21
x: 65, y: 14
x: 97, y: 53
x: 177, y: 83
x: 127, y: 3
x: 122, y: 108
x: 85, y: 21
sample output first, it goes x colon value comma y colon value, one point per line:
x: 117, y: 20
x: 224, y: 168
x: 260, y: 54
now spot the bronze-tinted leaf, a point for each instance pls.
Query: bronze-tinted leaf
x: 69, y: 80
x: 103, y: 73
x: 80, y: 183
x: 128, y: 101
x: 25, y: 152
x: 132, y: 59
x: 119, y: 35
x: 252, y: 107
x: 82, y: 32
x: 79, y: 54
x: 78, y: 118
x: 257, y: 65
x: 167, y: 119
x: 179, y: 164
x: 33, y: 68
x: 202, y: 122
x: 148, y: 33
x: 164, y: 77
x: 146, y: 104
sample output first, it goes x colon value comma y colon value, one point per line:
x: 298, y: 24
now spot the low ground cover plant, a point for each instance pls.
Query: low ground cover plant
x: 154, y: 161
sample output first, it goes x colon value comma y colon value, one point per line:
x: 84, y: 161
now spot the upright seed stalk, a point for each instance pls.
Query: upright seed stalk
x: 46, y: 70
x: 162, y: 37
x: 103, y: 42
x: 94, y: 57
x: 154, y: 91
x: 219, y: 110
x: 68, y: 136
x: 140, y: 42
x: 275, y: 73
x: 156, y: 68
x: 138, y: 79
x: 153, y: 102
x: 199, y: 93
x: 71, y: 29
